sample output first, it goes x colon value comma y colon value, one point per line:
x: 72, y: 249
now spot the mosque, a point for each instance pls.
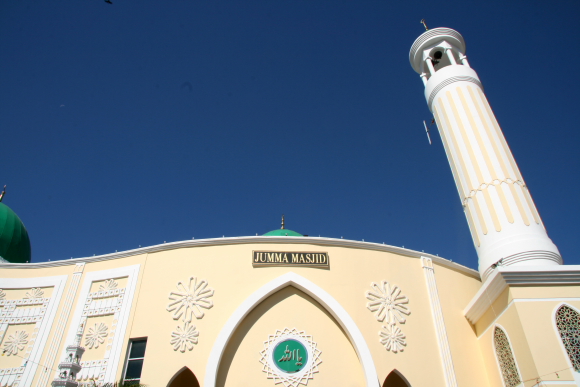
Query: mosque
x: 285, y: 309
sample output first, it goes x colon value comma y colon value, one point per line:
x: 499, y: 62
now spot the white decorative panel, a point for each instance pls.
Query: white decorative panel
x: 109, y: 302
x: 25, y: 324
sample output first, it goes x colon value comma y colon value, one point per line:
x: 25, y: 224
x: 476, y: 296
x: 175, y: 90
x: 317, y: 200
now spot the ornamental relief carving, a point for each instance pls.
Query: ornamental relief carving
x: 392, y: 338
x: 15, y: 343
x: 290, y: 357
x: 96, y: 335
x: 109, y: 284
x: 188, y: 301
x: 389, y: 305
x: 184, y: 338
x: 21, y: 318
x: 97, y: 327
x: 100, y: 322
x: 34, y: 293
x: 387, y: 302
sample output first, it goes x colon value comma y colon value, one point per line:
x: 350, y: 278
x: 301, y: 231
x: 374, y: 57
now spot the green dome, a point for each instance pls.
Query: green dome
x: 14, y: 242
x: 282, y: 232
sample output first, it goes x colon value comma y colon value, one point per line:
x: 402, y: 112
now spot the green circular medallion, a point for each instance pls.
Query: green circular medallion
x: 290, y: 356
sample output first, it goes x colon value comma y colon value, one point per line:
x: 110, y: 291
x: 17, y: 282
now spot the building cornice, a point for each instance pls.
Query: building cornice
x: 502, y: 277
x: 320, y: 241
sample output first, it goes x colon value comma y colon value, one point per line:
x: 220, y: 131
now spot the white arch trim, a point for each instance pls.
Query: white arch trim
x: 314, y: 291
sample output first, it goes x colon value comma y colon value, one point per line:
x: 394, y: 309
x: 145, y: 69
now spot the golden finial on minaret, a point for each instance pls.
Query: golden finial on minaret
x: 3, y: 193
x: 424, y: 24
x: 282, y: 221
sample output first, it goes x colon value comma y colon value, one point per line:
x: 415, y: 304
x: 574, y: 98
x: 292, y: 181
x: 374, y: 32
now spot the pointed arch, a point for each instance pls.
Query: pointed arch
x: 505, y: 358
x: 567, y: 321
x: 321, y: 296
x: 396, y: 379
x: 183, y: 378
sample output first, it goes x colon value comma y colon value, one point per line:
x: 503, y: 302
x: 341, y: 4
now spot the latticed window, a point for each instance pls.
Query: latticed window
x: 568, y: 322
x: 507, y: 363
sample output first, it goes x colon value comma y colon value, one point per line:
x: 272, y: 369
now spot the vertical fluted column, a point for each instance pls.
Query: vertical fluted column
x: 43, y: 380
x: 439, y: 322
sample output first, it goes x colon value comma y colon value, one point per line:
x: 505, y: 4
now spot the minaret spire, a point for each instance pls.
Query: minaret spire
x: 282, y: 222
x: 504, y: 222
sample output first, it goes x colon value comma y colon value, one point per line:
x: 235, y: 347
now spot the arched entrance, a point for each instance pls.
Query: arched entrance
x: 395, y: 379
x: 183, y: 378
x: 325, y: 300
x: 245, y: 358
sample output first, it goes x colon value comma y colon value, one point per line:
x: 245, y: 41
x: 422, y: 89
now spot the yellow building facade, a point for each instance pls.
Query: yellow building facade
x: 291, y: 310
x: 205, y: 307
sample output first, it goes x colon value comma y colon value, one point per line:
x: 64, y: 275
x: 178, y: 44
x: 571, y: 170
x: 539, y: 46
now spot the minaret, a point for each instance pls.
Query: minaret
x: 70, y: 366
x: 503, y: 220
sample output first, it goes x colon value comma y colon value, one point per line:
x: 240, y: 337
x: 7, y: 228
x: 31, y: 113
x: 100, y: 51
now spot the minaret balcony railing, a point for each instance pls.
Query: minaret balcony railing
x: 446, y: 76
x: 64, y: 382
x: 476, y: 148
x: 75, y: 348
x: 72, y: 365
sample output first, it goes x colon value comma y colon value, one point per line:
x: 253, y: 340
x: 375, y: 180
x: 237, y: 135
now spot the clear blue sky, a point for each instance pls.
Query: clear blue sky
x: 142, y: 122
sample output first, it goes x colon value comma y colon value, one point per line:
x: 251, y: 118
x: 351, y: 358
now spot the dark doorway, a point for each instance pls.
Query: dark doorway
x: 395, y: 379
x: 184, y: 378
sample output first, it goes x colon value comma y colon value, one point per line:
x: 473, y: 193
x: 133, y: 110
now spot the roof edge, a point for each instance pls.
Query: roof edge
x: 321, y: 241
x: 504, y: 276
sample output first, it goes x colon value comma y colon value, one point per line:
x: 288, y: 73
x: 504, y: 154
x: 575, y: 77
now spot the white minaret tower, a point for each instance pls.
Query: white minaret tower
x: 70, y: 366
x: 504, y: 222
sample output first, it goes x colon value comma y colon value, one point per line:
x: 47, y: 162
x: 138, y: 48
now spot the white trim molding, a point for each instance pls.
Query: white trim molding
x: 504, y: 276
x: 440, y: 330
x: 23, y: 376
x: 119, y: 302
x: 318, y: 241
x: 516, y: 300
x: 321, y: 296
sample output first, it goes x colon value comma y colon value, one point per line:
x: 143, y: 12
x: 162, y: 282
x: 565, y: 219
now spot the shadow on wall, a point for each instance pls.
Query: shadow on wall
x: 395, y: 379
x: 183, y: 378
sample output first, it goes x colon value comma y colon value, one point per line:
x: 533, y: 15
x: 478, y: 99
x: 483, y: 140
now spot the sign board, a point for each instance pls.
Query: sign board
x: 290, y: 258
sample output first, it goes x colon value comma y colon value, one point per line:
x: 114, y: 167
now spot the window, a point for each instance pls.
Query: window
x: 505, y: 357
x: 568, y: 322
x: 135, y: 361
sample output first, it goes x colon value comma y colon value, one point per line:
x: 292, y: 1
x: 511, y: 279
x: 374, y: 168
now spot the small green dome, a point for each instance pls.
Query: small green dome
x: 282, y: 232
x: 14, y: 242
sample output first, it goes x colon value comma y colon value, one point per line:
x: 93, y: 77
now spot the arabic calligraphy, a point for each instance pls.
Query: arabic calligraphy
x: 291, y: 355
